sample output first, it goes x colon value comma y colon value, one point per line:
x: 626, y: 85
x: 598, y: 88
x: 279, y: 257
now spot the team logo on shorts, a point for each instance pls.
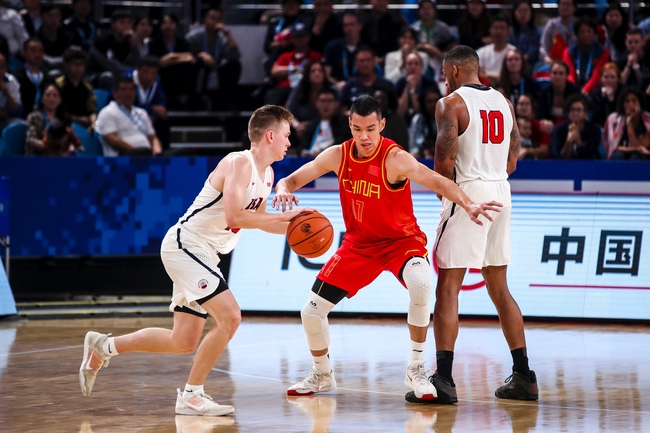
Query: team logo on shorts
x: 203, y: 284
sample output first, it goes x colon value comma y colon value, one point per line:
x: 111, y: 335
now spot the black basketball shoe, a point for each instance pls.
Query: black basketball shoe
x: 519, y: 387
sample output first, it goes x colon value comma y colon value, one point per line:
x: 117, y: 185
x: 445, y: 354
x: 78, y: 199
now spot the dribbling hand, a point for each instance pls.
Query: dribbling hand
x: 481, y: 209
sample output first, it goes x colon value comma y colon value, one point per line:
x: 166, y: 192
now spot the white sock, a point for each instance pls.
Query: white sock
x: 109, y: 347
x: 192, y: 389
x: 322, y: 364
x: 417, y: 352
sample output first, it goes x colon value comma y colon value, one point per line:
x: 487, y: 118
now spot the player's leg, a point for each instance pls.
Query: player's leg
x: 322, y: 298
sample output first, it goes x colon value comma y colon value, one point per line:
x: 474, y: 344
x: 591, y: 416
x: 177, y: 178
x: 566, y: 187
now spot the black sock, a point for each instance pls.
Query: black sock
x: 444, y: 363
x: 520, y: 361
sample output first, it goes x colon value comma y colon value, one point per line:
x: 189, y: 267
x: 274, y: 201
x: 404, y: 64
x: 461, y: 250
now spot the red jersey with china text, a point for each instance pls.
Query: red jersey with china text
x: 374, y: 211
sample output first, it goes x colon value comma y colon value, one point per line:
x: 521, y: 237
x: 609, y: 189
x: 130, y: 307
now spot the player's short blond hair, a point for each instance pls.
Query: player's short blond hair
x: 266, y: 118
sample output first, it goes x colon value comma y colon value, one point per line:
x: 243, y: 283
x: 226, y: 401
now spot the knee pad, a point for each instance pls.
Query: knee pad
x: 314, y: 321
x: 417, y: 277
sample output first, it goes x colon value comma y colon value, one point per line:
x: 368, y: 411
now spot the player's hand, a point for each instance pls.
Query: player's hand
x: 291, y: 214
x: 284, y: 201
x: 481, y: 209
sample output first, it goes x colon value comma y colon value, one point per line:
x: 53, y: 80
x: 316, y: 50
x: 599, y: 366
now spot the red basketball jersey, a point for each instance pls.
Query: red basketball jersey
x: 374, y: 211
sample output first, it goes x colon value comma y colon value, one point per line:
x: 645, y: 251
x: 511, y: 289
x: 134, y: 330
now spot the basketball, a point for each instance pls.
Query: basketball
x: 310, y: 234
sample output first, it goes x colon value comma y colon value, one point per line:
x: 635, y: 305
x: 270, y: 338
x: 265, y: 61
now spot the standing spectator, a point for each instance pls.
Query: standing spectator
x: 48, y: 131
x: 12, y: 28
x: 395, y: 128
x: 81, y: 23
x: 627, y: 131
x: 557, y: 34
x: 366, y: 81
x: 577, y: 137
x: 474, y: 25
x: 541, y: 129
x: 55, y: 38
x: 328, y: 129
x: 382, y: 27
x: 515, y: 79
x: 78, y: 97
x: 278, y: 33
x: 113, y: 54
x: 491, y: 56
x: 524, y: 34
x: 124, y: 128
x: 176, y: 62
x: 340, y: 53
x: 218, y: 60
x: 434, y: 37
x: 586, y: 58
x: 31, y: 75
x: 302, y: 99
x: 552, y: 99
x: 410, y: 89
x: 151, y: 97
x: 615, y: 25
x: 603, y: 98
x: 9, y: 95
x: 324, y: 25
x: 423, y: 130
x: 31, y: 16
x: 141, y: 34
x: 635, y: 62
x: 395, y: 62
x: 288, y: 70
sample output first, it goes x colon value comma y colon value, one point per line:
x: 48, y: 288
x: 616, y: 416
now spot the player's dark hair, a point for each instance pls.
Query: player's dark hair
x: 365, y: 105
x: 265, y: 118
x: 462, y: 55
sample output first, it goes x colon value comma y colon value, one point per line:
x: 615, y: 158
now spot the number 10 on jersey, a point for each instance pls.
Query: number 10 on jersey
x: 492, y: 127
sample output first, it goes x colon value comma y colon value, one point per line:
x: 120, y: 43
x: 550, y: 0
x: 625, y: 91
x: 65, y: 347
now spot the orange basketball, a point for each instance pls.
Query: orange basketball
x: 310, y: 234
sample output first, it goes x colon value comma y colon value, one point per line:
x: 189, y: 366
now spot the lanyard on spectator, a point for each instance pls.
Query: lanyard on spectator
x: 88, y: 39
x: 144, y: 96
x: 47, y: 120
x: 133, y: 117
x: 217, y: 47
x: 278, y: 28
x: 589, y: 62
x: 36, y: 80
x: 521, y: 86
x: 171, y: 48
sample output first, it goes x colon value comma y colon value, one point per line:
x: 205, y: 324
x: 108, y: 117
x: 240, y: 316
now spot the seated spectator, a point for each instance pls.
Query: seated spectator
x: 329, y: 128
x: 541, y: 129
x: 124, y: 128
x: 78, y: 97
x: 142, y: 30
x: 603, y: 98
x: 557, y: 33
x: 524, y: 33
x: 113, y: 54
x: 10, y: 108
x: 278, y: 34
x: 81, y: 23
x: 217, y: 56
x: 48, y: 132
x: 151, y: 97
x: 339, y: 54
x: 586, y: 58
x: 434, y: 37
x: 31, y: 16
x: 410, y: 89
x: 530, y: 148
x: 55, y: 38
x: 491, y: 56
x: 615, y: 26
x: 324, y: 25
x: 382, y: 27
x: 302, y: 100
x: 515, y: 79
x: 635, y: 62
x: 627, y: 131
x: 552, y: 100
x: 31, y: 75
x: 474, y: 25
x: 577, y: 137
x: 288, y: 69
x: 424, y: 130
x: 395, y: 62
x: 176, y: 62
x: 395, y: 128
x: 365, y: 82
x: 12, y: 28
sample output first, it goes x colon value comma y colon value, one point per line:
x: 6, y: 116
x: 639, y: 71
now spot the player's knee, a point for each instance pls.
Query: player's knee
x: 311, y: 320
x: 230, y: 322
x: 417, y: 277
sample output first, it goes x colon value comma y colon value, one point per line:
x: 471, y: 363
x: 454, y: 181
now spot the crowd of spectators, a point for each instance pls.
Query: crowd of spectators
x: 579, y: 79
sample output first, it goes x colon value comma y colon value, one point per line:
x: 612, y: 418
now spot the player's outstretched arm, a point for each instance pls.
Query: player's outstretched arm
x: 326, y: 161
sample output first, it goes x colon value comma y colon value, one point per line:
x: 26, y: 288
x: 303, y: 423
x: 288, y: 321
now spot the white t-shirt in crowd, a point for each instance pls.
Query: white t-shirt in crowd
x: 133, y: 127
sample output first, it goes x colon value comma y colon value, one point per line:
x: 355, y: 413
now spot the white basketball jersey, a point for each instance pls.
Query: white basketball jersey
x: 483, y: 147
x: 206, y: 217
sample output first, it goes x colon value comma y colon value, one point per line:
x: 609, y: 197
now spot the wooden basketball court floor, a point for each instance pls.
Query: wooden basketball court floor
x: 592, y: 378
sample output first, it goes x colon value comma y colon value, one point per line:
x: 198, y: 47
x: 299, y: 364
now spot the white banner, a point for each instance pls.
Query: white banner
x: 574, y: 256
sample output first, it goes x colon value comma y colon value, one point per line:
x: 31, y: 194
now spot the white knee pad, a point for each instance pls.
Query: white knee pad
x: 417, y: 276
x: 314, y: 321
